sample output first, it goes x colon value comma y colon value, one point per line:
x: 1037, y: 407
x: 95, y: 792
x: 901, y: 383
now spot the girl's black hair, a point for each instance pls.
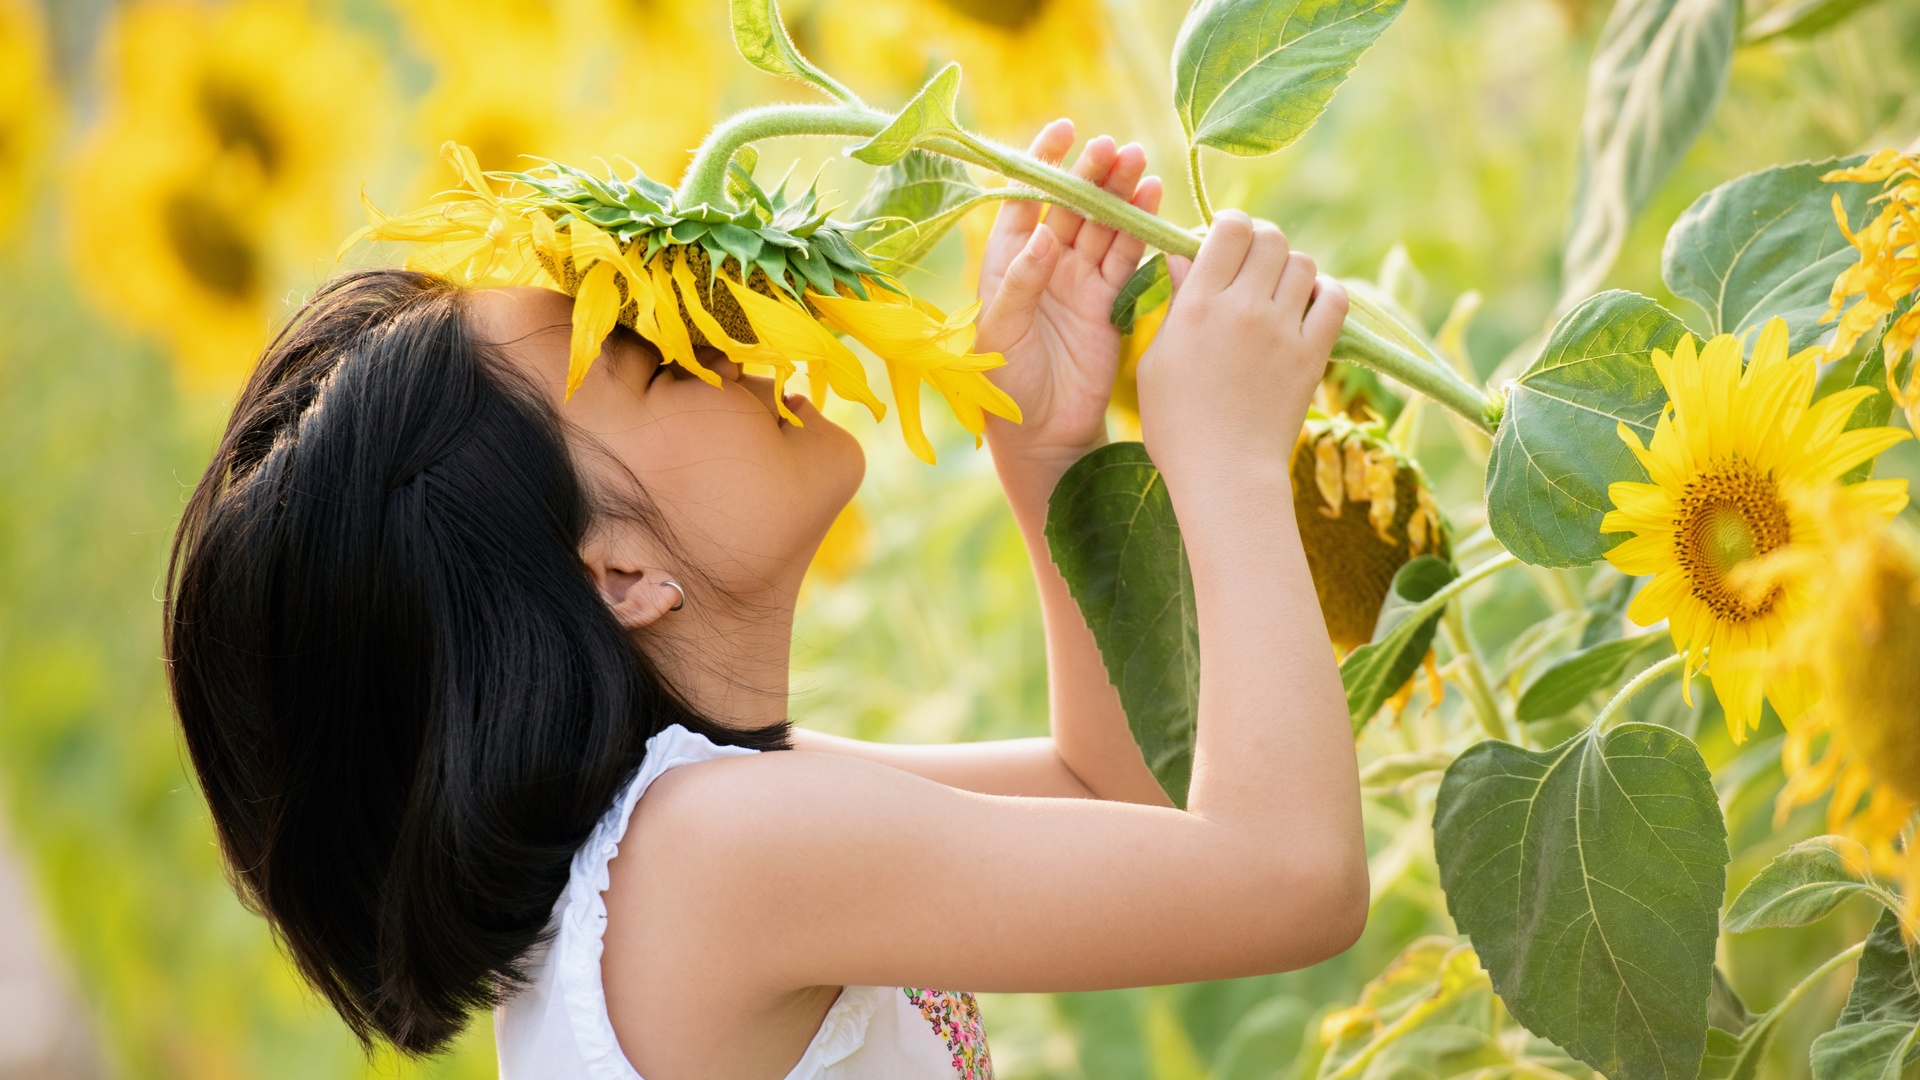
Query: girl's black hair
x: 404, y: 698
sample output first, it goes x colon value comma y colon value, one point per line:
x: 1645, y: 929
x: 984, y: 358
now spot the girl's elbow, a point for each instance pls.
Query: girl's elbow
x: 1323, y: 916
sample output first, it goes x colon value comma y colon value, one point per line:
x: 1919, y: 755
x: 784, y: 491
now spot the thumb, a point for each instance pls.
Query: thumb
x: 1026, y: 279
x: 1177, y: 268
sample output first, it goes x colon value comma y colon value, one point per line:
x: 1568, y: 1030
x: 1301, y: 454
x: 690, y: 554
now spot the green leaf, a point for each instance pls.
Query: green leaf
x: 1557, y: 447
x: 1251, y: 76
x: 1569, y: 680
x: 1802, y: 884
x: 1604, y: 611
x: 1657, y: 73
x: 912, y: 203
x: 1374, y: 671
x: 1765, y: 244
x: 1149, y: 286
x: 1800, y: 19
x: 1725, y: 1010
x: 1589, y: 878
x: 1111, y: 529
x: 762, y: 39
x: 928, y: 115
x: 1875, y: 1035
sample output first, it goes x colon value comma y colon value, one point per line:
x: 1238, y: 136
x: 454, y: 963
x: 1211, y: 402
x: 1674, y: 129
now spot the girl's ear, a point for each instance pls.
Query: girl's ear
x: 635, y: 599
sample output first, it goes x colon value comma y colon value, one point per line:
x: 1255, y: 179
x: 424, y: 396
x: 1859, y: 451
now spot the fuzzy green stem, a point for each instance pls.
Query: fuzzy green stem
x: 705, y: 181
x: 1198, y: 182
x: 1634, y: 686
x: 1363, y: 345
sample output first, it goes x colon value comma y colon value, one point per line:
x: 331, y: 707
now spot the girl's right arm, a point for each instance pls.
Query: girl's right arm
x: 783, y: 871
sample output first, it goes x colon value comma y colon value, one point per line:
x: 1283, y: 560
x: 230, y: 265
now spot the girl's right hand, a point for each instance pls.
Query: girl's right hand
x: 1228, y: 378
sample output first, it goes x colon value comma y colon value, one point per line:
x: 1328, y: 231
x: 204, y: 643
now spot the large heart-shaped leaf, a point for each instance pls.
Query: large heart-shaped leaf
x: 1402, y: 635
x: 911, y: 204
x: 1765, y: 244
x: 1880, y: 1023
x: 1558, y: 447
x: 929, y: 115
x: 1802, y: 884
x: 1656, y: 75
x: 1589, y: 878
x: 1111, y: 529
x: 1251, y: 76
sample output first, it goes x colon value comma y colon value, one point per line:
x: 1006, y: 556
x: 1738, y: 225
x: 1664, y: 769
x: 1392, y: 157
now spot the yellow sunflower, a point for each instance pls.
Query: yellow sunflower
x: 213, y: 175
x: 768, y: 285
x: 1862, y: 646
x: 26, y: 103
x: 1739, y: 462
x: 1888, y: 271
x: 506, y: 80
x: 1027, y: 61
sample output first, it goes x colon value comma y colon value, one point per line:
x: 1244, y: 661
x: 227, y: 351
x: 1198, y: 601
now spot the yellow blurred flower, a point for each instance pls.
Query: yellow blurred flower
x: 1025, y: 60
x: 213, y: 174
x: 1888, y: 271
x: 767, y: 286
x: 27, y: 103
x: 1364, y: 511
x: 1741, y: 465
x: 1862, y: 645
x: 561, y: 79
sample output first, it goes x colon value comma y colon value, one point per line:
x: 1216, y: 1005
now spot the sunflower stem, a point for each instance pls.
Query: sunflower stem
x: 705, y: 181
x: 1609, y: 715
x: 1199, y: 184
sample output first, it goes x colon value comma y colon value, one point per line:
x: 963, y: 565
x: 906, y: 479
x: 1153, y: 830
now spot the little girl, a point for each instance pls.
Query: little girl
x: 487, y: 688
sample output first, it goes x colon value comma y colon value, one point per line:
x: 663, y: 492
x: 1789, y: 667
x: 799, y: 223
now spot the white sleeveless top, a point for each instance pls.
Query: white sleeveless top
x: 557, y: 1027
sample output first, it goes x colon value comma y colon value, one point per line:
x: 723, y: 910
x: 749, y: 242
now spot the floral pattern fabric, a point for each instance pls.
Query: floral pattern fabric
x: 955, y: 1017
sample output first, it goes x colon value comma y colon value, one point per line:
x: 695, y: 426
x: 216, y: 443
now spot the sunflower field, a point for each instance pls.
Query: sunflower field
x: 1606, y: 494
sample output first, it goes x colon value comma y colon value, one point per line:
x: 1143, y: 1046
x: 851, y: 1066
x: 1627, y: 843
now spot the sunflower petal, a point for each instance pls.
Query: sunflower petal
x: 596, y: 308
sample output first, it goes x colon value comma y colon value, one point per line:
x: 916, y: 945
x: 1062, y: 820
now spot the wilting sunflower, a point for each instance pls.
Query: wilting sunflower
x: 214, y: 173
x: 1888, y: 271
x: 1025, y: 59
x: 1364, y: 510
x: 1740, y: 463
x: 767, y: 284
x: 26, y: 102
x: 1862, y: 646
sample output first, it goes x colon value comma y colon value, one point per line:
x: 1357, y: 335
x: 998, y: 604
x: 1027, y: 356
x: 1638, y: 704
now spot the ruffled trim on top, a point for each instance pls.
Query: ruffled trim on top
x: 581, y: 914
x: 842, y: 1031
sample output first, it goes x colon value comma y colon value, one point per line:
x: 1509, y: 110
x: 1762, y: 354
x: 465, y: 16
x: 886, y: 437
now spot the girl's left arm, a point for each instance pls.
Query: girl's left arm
x: 1047, y: 288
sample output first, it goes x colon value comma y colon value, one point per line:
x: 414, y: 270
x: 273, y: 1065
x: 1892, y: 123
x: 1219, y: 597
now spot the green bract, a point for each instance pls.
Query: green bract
x: 794, y: 241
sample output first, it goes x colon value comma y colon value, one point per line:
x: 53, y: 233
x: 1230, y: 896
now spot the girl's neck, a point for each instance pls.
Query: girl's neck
x: 731, y: 666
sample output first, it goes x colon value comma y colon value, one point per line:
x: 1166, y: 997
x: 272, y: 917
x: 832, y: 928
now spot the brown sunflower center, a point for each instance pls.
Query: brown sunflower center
x: 1729, y: 515
x: 209, y: 247
x: 1004, y: 14
x: 238, y: 123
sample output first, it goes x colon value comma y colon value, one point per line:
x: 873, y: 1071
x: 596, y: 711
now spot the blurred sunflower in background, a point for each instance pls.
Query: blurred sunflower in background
x: 1856, y: 746
x: 657, y: 51
x: 27, y: 104
x: 215, y: 172
x: 1027, y: 61
x: 505, y: 82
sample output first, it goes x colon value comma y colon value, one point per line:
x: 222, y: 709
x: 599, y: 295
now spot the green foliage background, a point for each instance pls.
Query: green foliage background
x: 1456, y: 137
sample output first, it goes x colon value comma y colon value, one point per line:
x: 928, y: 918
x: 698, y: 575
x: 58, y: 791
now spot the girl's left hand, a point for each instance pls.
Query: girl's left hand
x: 1047, y: 290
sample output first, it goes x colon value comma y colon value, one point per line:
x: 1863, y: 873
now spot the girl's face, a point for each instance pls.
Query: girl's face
x: 746, y: 493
